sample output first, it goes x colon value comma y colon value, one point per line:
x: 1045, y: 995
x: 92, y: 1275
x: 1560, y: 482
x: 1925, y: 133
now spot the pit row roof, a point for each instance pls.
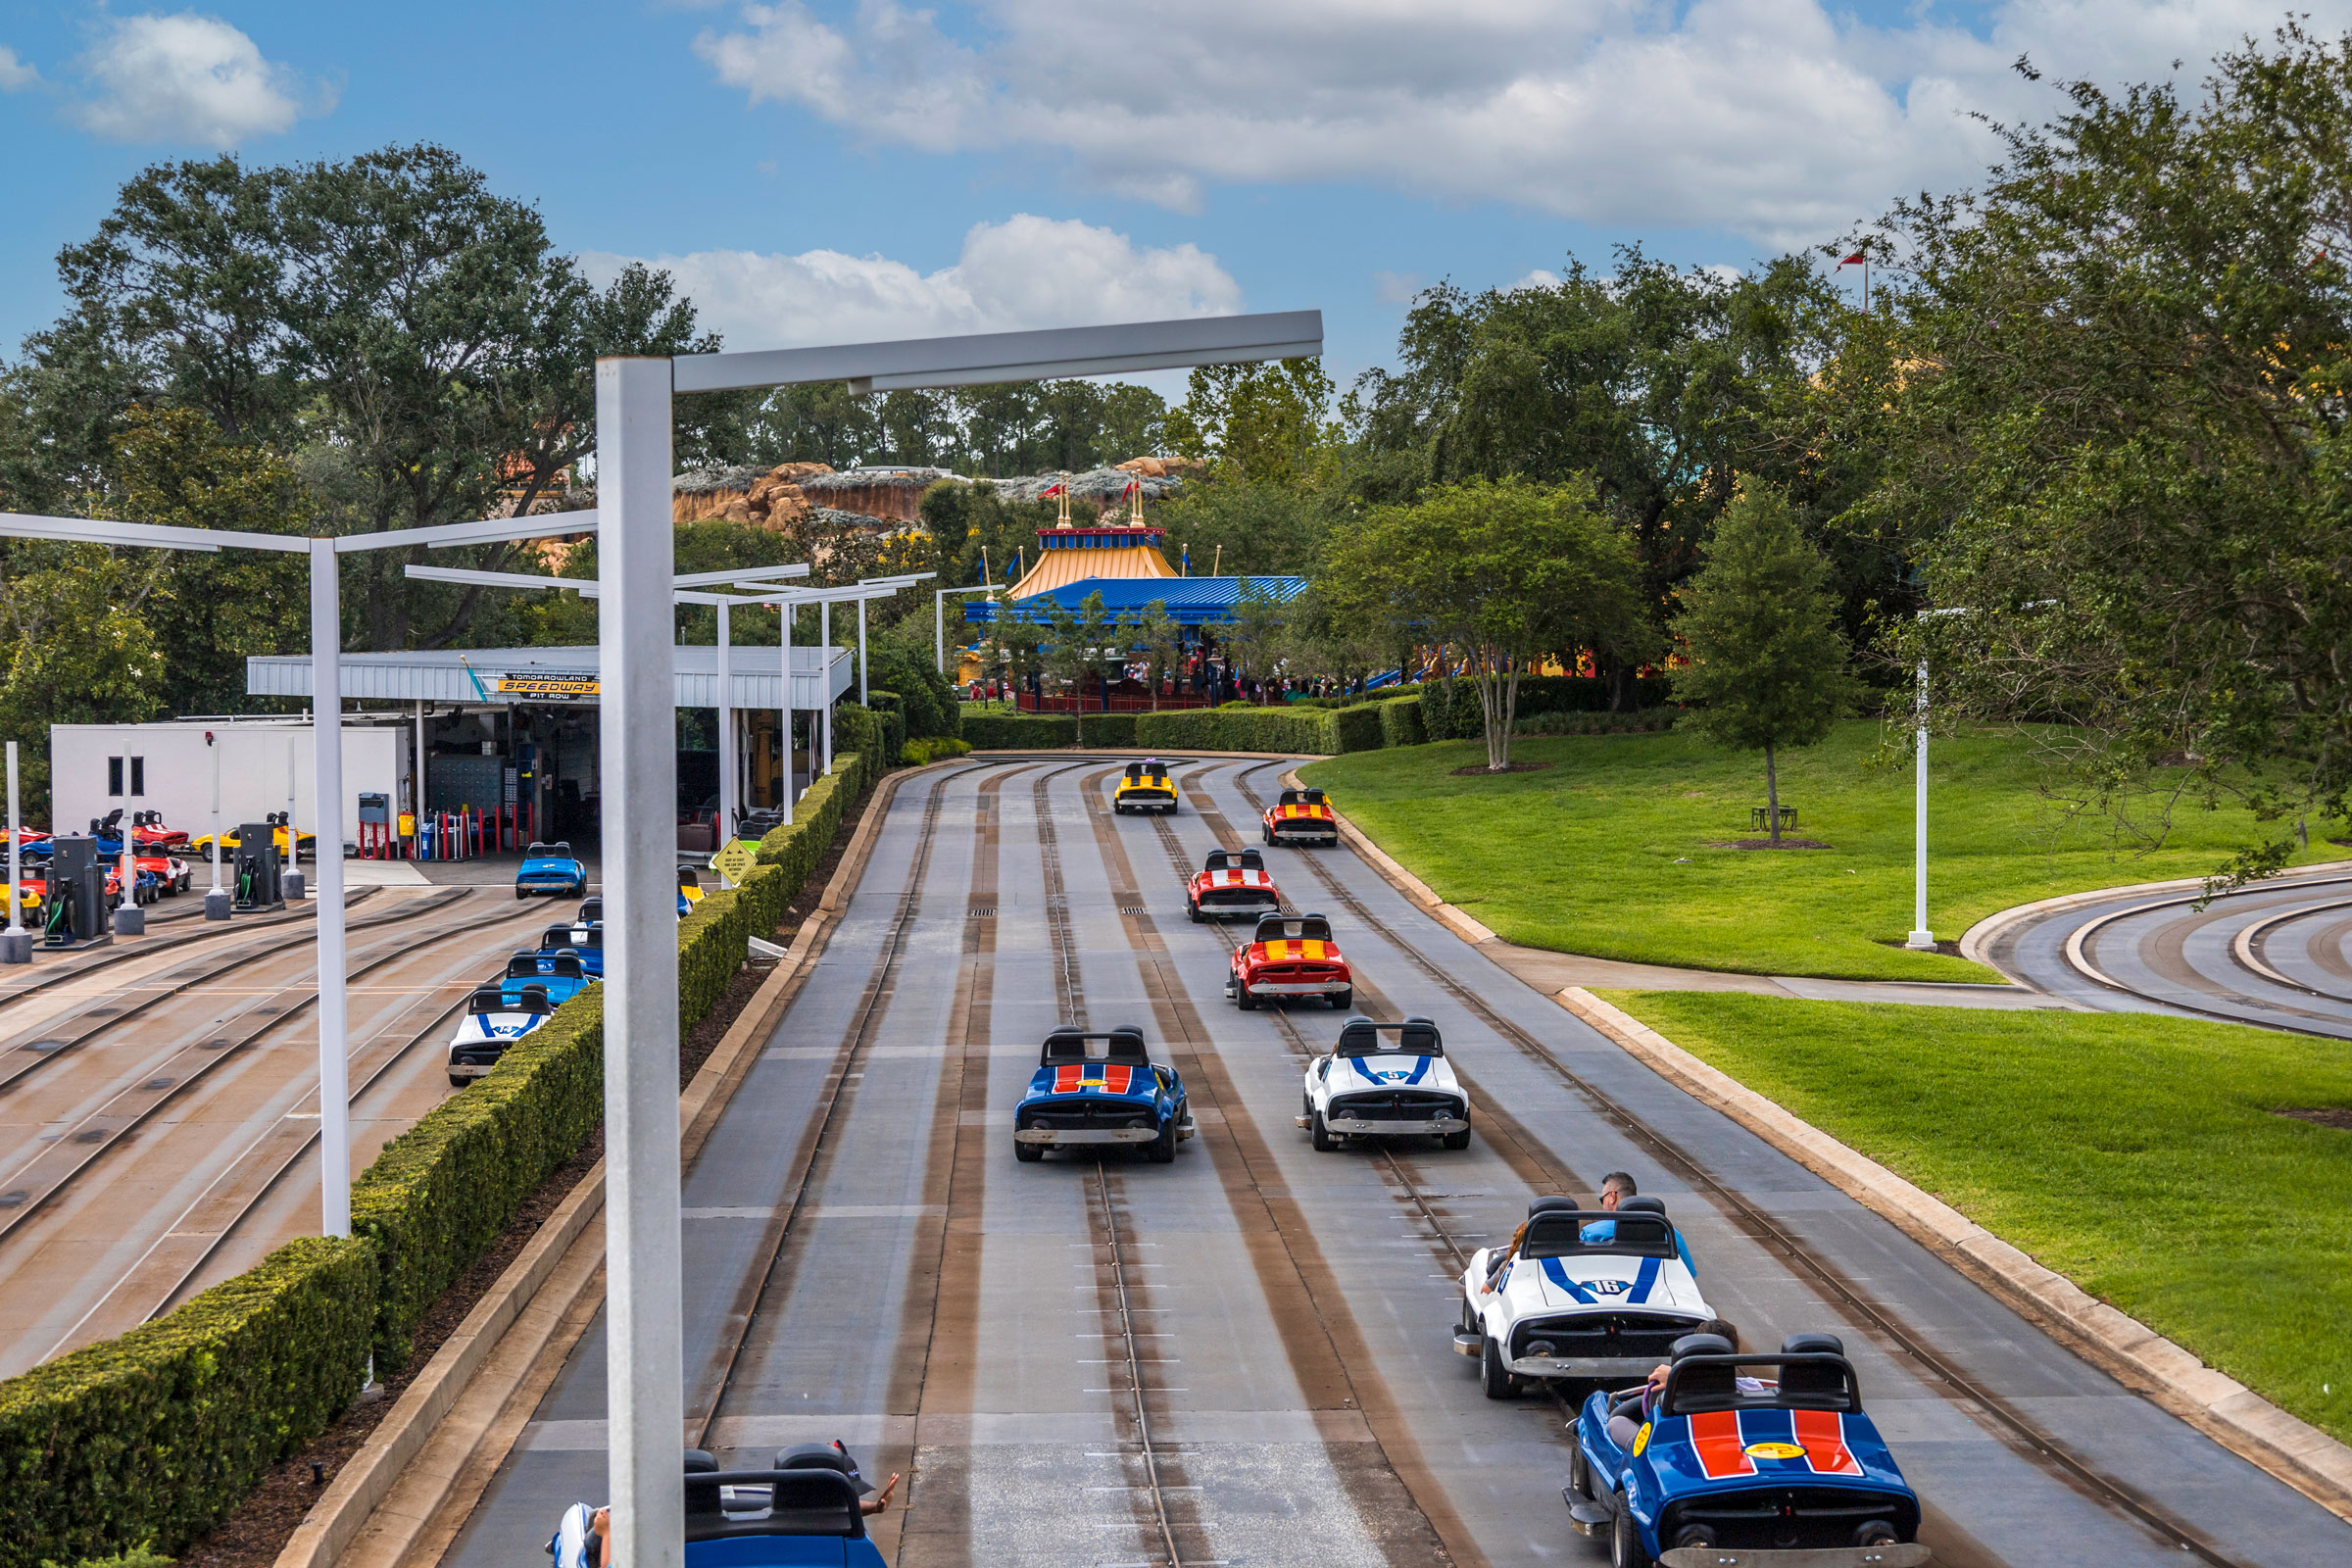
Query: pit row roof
x: 440, y: 675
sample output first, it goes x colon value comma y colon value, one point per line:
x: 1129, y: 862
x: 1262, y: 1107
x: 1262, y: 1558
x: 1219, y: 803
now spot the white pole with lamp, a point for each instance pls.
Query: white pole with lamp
x: 217, y: 900
x: 16, y: 944
x: 1923, y: 940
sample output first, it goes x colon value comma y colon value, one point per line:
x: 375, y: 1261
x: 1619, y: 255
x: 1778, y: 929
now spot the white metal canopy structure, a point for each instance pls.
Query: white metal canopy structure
x: 644, y: 1292
x: 326, y: 731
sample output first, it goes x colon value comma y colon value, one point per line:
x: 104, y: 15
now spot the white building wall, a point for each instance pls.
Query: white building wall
x: 178, y: 771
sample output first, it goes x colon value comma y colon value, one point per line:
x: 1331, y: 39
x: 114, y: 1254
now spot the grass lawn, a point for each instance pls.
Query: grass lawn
x: 1608, y: 852
x: 2138, y: 1155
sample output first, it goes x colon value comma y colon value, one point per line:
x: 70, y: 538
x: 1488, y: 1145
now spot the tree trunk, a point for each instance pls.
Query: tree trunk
x: 1771, y: 795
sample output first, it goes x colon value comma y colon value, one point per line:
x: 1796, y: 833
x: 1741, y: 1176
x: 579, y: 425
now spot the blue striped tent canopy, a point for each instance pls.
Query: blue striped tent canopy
x: 1191, y: 601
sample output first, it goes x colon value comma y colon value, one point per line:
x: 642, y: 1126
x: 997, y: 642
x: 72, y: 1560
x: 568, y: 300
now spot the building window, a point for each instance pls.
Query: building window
x: 138, y: 775
x: 114, y: 775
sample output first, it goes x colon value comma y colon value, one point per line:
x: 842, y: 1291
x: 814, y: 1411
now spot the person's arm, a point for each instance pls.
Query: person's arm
x: 879, y: 1502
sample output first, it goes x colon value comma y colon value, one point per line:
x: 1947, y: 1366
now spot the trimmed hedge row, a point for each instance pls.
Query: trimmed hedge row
x: 158, y: 1435
x: 1240, y: 729
x: 1026, y: 732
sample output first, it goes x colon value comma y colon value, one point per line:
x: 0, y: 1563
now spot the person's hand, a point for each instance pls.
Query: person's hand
x: 879, y: 1502
x: 600, y: 1525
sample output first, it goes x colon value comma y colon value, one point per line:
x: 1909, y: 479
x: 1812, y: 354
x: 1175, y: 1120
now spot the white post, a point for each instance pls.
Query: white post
x: 862, y: 702
x: 726, y: 737
x: 16, y: 944
x: 824, y: 679
x: 327, y: 780
x: 791, y: 779
x: 644, y: 1363
x: 939, y: 630
x: 1920, y: 938
x: 417, y: 773
x: 211, y: 744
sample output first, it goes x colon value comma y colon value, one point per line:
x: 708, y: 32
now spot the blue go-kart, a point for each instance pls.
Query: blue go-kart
x: 1753, y: 1459
x: 550, y: 868
x: 807, y: 1510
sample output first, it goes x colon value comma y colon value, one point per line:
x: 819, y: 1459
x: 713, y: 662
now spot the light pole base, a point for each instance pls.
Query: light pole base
x: 217, y: 903
x: 1922, y: 942
x: 130, y: 921
x: 15, y: 947
x: 290, y: 887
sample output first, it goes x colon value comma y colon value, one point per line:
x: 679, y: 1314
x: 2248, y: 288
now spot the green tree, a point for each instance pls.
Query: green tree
x: 1270, y: 423
x: 2122, y: 403
x: 1155, y: 633
x: 1759, y: 627
x: 1080, y: 645
x: 1260, y: 629
x: 78, y: 644
x: 1499, y: 573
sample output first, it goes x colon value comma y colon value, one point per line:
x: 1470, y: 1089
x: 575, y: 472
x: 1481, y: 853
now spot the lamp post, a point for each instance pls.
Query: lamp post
x: 326, y: 706
x: 16, y: 944
x: 1923, y: 940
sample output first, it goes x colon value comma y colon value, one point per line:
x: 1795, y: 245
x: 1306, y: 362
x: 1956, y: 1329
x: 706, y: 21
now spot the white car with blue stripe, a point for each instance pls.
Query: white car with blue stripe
x: 1582, y: 1293
x: 1368, y: 1088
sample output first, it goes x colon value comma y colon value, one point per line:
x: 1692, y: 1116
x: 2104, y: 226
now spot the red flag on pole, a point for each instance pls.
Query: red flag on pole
x: 1857, y: 260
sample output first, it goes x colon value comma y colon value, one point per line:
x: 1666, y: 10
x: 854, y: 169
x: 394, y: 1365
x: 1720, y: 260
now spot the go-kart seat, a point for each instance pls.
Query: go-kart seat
x: 1550, y: 1202
x: 1706, y: 1385
x: 823, y: 1456
x: 1419, y: 1038
x: 1824, y: 1382
x: 1813, y: 1344
x: 1123, y: 1045
x: 1642, y: 1206
x: 1699, y: 1344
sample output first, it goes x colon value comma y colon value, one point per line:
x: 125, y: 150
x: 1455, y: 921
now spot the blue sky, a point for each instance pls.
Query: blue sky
x: 823, y: 170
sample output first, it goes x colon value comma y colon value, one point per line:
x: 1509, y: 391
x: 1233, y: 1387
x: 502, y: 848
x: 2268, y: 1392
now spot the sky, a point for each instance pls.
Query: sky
x: 840, y: 170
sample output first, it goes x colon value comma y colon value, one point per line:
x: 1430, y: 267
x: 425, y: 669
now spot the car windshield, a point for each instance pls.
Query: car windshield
x: 1574, y: 1233
x: 492, y: 999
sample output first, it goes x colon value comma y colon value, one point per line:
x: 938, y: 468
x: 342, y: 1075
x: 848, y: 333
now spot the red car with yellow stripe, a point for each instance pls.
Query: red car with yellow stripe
x: 1300, y: 817
x: 1286, y: 958
x: 1757, y: 1459
x: 1231, y: 882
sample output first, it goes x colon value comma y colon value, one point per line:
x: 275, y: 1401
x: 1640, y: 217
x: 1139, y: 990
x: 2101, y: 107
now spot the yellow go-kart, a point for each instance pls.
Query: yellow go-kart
x: 1145, y: 786
x: 202, y: 849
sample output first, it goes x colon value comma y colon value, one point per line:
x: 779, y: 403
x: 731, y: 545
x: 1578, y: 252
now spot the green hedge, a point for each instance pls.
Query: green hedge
x: 1358, y: 728
x: 1036, y: 732
x: 1400, y: 721
x: 1240, y: 729
x: 930, y: 749
x: 158, y: 1435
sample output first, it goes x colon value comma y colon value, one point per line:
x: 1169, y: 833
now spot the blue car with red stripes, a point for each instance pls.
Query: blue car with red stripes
x: 1101, y: 1091
x: 1742, y: 1459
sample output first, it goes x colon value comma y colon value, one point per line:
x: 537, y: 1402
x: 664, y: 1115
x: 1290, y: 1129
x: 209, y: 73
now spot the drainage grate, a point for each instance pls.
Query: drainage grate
x: 982, y: 914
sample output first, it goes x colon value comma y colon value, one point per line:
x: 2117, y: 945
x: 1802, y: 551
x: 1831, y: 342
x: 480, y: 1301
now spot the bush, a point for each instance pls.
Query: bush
x: 440, y: 1192
x: 1019, y: 732
x: 142, y: 1555
x: 1400, y: 721
x: 1647, y: 721
x: 878, y: 731
x: 1242, y: 728
x: 930, y: 749
x: 1358, y: 728
x: 158, y: 1435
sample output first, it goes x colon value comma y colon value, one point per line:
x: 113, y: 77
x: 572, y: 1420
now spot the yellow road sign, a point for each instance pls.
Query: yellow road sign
x: 736, y: 858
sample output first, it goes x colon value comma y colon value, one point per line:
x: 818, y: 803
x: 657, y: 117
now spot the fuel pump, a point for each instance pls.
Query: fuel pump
x: 257, y: 871
x: 76, y: 901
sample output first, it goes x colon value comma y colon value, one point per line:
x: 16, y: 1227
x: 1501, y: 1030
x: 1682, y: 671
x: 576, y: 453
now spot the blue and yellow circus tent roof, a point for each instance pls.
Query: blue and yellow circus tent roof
x: 1122, y: 562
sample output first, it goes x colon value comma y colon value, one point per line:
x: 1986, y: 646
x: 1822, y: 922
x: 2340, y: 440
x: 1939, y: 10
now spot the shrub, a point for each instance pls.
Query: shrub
x: 142, y: 1555
x: 158, y: 1435
x: 1400, y: 721
x: 930, y: 749
x: 1019, y: 732
x: 1358, y: 728
x: 1245, y: 728
x: 1646, y: 721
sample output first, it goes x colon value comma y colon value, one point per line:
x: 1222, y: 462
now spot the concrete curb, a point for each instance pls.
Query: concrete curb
x: 2223, y: 1409
x: 349, y: 1508
x: 1979, y: 936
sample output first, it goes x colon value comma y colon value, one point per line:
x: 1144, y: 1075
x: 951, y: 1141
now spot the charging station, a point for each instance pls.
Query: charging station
x: 77, y: 903
x: 258, y: 876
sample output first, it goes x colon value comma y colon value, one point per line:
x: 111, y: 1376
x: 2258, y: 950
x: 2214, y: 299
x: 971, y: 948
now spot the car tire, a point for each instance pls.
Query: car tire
x: 1194, y: 910
x: 1318, y: 1136
x: 1243, y: 1000
x: 1460, y: 1140
x: 1580, y: 1471
x: 1162, y: 1151
x: 456, y: 1082
x: 1493, y: 1377
x: 1625, y: 1543
x: 1344, y: 1000
x: 1028, y: 1153
x: 520, y: 894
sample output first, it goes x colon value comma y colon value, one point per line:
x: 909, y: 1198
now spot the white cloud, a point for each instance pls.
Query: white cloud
x: 14, y: 72
x: 1027, y: 272
x: 189, y: 78
x: 1768, y: 116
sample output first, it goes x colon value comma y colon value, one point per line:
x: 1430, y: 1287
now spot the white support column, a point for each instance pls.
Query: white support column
x: 824, y: 678
x: 939, y: 631
x: 326, y: 778
x: 861, y: 701
x: 16, y: 944
x: 644, y: 1296
x: 1921, y: 937
x: 417, y: 773
x: 791, y: 779
x: 727, y: 786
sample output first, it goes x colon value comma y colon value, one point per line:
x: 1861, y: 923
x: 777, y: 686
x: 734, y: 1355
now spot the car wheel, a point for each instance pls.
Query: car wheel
x: 1028, y: 1153
x: 1493, y: 1376
x: 1243, y: 1000
x: 1194, y: 910
x: 1625, y: 1543
x: 1344, y: 1000
x: 1579, y: 1473
x: 1162, y: 1150
x: 1460, y: 1140
x: 1318, y: 1136
x: 456, y: 1082
x: 520, y: 894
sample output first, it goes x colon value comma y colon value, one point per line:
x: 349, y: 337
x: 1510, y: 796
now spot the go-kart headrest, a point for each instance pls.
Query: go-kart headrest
x: 1290, y: 798
x: 1702, y: 1383
x: 1123, y: 1045
x: 1234, y: 860
x: 823, y: 1457
x: 555, y: 937
x: 1415, y: 1037
x: 1814, y: 1342
x: 563, y: 848
x: 1136, y: 770
x: 1551, y: 1204
x: 497, y: 999
x: 807, y: 1501
x: 1642, y: 1206
x: 1568, y: 1233
x: 592, y: 908
x: 701, y: 1460
x: 537, y: 852
x: 1698, y: 1344
x: 1295, y: 928
x: 687, y: 878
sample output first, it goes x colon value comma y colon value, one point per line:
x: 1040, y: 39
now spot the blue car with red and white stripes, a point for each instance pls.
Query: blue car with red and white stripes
x: 1101, y: 1091
x: 1746, y: 1460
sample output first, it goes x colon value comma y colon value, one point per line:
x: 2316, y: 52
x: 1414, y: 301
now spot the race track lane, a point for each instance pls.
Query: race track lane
x: 1247, y: 1355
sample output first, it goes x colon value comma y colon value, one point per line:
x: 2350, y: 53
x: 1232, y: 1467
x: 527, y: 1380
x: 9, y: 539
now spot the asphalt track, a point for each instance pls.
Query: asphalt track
x: 1246, y: 1357
x: 2277, y: 954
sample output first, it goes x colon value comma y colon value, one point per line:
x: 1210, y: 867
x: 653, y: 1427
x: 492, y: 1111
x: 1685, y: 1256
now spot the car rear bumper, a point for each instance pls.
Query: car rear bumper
x: 1298, y: 988
x: 1327, y: 831
x: 1583, y: 1366
x: 1218, y: 906
x: 1062, y: 1136
x: 1419, y: 1127
x: 1908, y: 1555
x: 470, y: 1069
